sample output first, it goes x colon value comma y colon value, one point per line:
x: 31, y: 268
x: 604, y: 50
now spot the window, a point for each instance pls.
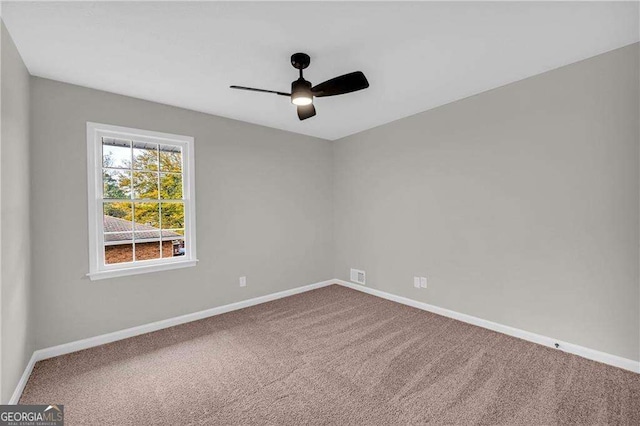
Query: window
x: 141, y: 201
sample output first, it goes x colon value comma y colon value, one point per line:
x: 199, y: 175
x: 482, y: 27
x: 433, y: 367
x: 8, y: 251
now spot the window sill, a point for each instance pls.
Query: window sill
x: 113, y: 273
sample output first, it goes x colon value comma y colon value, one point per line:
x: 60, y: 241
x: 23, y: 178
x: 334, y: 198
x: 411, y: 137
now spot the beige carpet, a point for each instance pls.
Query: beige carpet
x: 332, y: 356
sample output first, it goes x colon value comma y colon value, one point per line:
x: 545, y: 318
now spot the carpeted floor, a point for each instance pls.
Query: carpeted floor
x: 332, y: 356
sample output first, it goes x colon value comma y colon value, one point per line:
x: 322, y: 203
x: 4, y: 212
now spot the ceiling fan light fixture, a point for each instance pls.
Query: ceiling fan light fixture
x: 301, y: 92
x: 301, y: 101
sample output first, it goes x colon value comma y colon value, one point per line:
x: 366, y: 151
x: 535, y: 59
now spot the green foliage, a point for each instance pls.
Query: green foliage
x: 121, y: 210
x: 170, y: 161
x: 112, y: 186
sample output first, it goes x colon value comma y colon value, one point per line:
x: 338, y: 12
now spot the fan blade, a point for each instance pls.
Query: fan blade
x: 260, y: 90
x: 340, y: 85
x: 306, y: 111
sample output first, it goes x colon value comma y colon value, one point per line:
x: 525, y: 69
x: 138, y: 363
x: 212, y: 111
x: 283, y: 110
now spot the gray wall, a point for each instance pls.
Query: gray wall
x: 520, y: 205
x: 264, y: 210
x: 16, y: 325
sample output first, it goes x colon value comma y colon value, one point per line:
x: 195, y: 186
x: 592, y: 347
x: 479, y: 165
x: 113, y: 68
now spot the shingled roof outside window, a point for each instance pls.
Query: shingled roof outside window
x: 119, y: 231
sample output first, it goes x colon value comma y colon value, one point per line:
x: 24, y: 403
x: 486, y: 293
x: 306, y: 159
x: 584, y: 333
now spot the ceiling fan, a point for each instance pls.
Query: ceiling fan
x: 302, y: 93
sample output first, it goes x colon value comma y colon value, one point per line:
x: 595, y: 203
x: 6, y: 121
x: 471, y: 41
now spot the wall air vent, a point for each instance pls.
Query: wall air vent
x: 358, y: 276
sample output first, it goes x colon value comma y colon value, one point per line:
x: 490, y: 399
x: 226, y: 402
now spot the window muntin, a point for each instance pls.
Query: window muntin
x: 143, y: 214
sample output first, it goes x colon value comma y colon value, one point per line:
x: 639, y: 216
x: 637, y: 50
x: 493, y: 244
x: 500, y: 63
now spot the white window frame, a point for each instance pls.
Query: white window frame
x: 97, y: 267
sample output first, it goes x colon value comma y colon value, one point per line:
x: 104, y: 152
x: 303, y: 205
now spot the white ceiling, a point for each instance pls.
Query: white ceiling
x: 416, y: 55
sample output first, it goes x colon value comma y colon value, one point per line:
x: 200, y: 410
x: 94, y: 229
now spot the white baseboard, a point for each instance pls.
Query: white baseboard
x: 79, y: 345
x: 581, y: 351
x: 23, y: 380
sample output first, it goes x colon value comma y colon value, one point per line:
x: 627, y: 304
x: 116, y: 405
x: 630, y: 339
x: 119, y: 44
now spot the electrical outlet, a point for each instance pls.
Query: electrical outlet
x: 416, y: 282
x: 423, y: 282
x: 243, y: 281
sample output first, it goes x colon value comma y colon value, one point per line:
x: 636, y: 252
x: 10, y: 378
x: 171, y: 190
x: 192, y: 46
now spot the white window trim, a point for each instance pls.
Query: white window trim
x: 97, y: 268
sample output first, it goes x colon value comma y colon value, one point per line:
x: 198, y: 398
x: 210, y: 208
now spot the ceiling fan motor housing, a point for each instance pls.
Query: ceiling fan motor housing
x: 301, y: 89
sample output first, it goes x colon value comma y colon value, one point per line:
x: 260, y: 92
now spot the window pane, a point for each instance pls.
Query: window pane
x: 153, y: 234
x: 145, y: 156
x: 147, y: 216
x: 119, y: 253
x: 118, y: 237
x: 148, y: 250
x: 117, y: 216
x: 116, y: 183
x: 172, y: 215
x: 118, y: 232
x: 171, y: 186
x: 173, y: 245
x: 170, y: 158
x: 116, y: 153
x: 145, y: 185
